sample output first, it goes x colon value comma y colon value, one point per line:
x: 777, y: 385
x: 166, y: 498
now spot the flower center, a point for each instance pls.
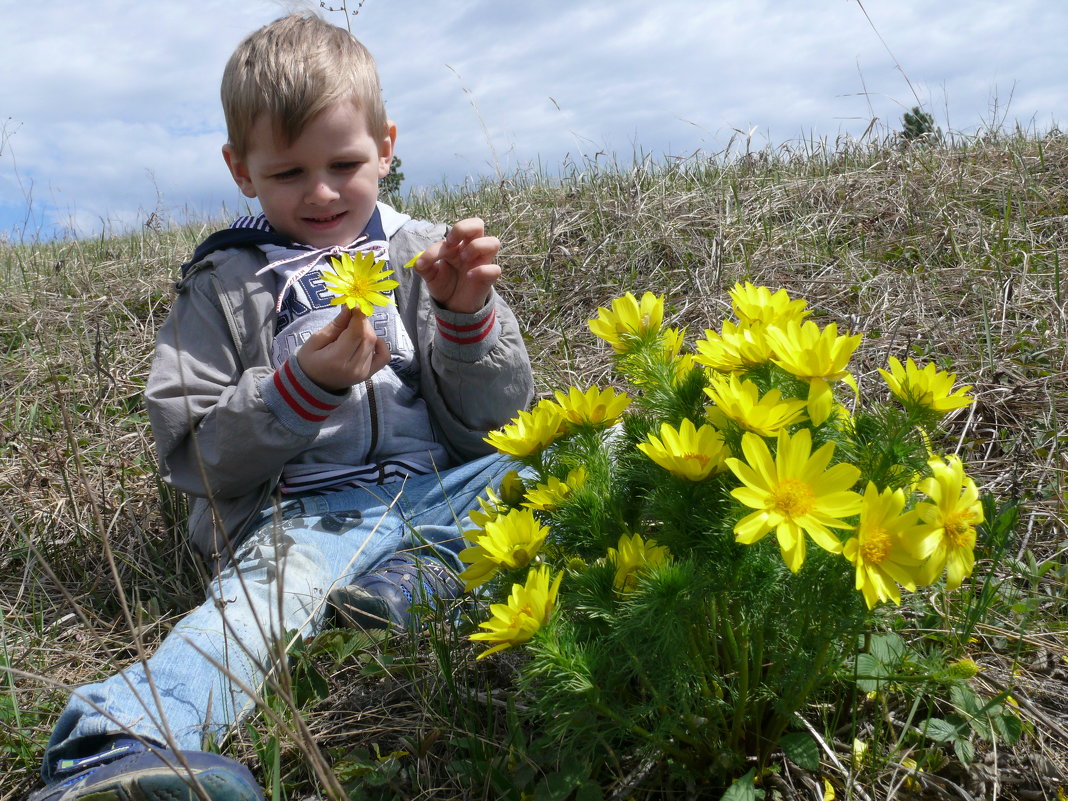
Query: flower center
x: 959, y: 529
x: 792, y: 498
x: 520, y: 556
x: 701, y: 458
x: 360, y: 284
x: 875, y: 545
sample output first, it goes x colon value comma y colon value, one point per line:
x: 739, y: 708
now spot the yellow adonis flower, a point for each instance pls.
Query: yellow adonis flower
x: 818, y: 356
x: 688, y: 452
x: 930, y: 387
x: 808, y: 352
x: 628, y: 315
x: 673, y: 340
x: 359, y: 281
x: 759, y: 305
x: 634, y: 555
x: 880, y: 548
x: 530, y: 432
x: 513, y: 490
x: 489, y: 508
x: 734, y: 348
x: 594, y: 406
x: 510, y: 541
x: 794, y: 494
x: 548, y: 496
x: 528, y: 609
x: 951, y: 520
x: 740, y: 402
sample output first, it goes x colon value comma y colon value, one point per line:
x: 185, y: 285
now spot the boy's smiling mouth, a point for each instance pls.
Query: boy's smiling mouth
x: 325, y: 220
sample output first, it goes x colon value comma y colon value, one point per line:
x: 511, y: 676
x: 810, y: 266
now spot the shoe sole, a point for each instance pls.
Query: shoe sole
x: 361, y: 610
x: 164, y: 785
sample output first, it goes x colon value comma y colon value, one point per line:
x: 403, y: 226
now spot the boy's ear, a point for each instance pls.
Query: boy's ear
x: 385, y: 149
x: 238, y: 170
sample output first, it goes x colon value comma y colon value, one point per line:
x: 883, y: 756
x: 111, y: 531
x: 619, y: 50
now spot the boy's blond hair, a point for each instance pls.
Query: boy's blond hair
x: 291, y: 70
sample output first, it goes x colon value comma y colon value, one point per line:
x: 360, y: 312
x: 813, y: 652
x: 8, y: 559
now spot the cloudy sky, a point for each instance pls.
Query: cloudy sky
x: 109, y: 109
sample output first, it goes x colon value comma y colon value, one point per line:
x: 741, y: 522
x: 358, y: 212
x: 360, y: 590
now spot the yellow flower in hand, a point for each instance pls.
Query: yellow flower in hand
x: 929, y: 387
x: 358, y: 281
x: 527, y: 610
x: 628, y: 316
x: 509, y: 541
x: 794, y: 494
x: 688, y: 452
x: 951, y: 521
x: 530, y: 432
x: 548, y: 496
x: 594, y: 406
x: 881, y: 550
x: 758, y: 305
x: 632, y: 557
x: 740, y: 402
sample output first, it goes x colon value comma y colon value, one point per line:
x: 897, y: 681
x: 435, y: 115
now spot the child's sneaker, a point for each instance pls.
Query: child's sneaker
x: 385, y: 596
x: 129, y: 770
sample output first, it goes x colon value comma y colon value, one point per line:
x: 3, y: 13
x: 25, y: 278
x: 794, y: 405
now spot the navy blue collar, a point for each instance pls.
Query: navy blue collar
x: 241, y: 237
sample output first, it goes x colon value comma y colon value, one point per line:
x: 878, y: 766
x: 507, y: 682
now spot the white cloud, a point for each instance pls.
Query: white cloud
x: 116, y: 101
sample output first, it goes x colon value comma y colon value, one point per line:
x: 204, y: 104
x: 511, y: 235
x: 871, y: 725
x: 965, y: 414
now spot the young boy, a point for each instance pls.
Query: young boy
x: 331, y: 457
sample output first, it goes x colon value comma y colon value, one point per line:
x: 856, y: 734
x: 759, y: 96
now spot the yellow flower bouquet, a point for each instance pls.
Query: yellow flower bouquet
x: 632, y: 561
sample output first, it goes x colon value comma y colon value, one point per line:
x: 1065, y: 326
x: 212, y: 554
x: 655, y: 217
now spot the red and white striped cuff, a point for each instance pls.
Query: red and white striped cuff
x: 300, y: 403
x: 468, y: 337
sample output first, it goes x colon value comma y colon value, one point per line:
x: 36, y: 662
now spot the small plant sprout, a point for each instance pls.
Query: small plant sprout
x: 359, y: 282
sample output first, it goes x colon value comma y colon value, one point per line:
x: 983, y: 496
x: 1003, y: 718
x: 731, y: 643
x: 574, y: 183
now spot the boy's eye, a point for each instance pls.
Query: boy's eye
x: 284, y: 174
x: 346, y: 166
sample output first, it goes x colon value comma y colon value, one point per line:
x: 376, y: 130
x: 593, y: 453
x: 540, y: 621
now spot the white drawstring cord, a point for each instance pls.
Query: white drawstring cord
x: 316, y: 256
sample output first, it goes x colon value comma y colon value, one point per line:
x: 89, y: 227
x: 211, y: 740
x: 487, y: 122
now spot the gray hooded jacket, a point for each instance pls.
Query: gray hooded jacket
x: 222, y: 437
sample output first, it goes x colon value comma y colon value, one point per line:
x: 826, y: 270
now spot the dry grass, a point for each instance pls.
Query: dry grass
x: 951, y: 253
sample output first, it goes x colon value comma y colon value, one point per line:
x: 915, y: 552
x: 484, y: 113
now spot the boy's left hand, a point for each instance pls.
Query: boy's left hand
x: 459, y: 270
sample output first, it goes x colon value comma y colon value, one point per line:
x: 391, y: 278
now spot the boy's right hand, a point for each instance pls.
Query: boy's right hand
x: 344, y: 352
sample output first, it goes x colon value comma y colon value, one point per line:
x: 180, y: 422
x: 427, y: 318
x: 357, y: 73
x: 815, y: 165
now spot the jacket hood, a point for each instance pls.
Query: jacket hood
x: 255, y: 231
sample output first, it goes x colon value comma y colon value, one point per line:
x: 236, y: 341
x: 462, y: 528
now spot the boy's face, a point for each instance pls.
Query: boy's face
x: 321, y: 189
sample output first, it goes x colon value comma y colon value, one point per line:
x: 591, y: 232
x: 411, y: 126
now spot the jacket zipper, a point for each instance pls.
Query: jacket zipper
x: 372, y: 407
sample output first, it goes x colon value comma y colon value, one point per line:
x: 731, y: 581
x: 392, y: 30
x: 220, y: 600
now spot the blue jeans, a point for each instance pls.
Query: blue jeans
x: 204, y: 676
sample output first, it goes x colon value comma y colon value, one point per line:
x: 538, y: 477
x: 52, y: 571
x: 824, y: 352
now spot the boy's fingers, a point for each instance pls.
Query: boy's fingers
x: 381, y: 356
x: 483, y: 250
x: 429, y: 256
x: 331, y: 331
x: 465, y: 230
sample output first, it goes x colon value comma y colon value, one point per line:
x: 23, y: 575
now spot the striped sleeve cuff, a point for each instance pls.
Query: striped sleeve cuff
x: 468, y: 337
x: 300, y: 404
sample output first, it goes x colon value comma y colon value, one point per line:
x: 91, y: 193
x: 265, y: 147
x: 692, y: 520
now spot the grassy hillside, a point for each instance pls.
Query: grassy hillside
x: 945, y: 253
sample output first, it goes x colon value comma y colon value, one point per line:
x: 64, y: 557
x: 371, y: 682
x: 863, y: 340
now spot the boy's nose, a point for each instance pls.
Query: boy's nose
x: 321, y: 192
